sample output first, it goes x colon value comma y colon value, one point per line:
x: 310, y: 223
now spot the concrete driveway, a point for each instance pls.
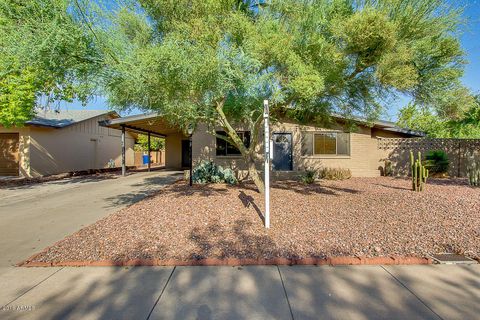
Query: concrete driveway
x: 35, y: 216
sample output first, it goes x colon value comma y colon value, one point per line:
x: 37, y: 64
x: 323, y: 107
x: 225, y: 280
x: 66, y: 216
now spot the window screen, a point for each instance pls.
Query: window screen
x: 331, y: 143
x: 325, y: 143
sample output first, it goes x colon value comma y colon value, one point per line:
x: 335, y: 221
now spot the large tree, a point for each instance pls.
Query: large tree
x: 215, y: 61
x: 46, y: 56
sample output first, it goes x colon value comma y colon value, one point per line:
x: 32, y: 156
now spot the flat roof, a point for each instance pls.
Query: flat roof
x: 152, y: 123
x: 156, y: 125
x: 390, y: 126
x: 385, y: 125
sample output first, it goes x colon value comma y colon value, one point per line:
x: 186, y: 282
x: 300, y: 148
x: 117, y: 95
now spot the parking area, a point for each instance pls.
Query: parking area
x: 37, y: 215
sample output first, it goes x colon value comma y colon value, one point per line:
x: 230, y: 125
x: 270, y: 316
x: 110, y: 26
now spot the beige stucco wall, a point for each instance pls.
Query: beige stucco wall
x: 173, y: 150
x: 204, y: 148
x: 24, y: 148
x: 82, y: 146
x: 364, y: 160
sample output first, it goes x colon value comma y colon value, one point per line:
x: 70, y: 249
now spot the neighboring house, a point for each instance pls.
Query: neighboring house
x: 62, y: 141
x: 296, y: 147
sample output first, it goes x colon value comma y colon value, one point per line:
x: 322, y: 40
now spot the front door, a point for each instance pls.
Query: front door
x: 282, y: 152
x: 185, y: 153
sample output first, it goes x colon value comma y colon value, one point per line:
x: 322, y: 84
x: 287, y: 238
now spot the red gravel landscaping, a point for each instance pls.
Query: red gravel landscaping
x: 356, y: 217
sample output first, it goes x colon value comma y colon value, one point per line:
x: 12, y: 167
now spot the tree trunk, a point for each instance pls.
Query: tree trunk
x: 248, y: 154
x: 253, y: 174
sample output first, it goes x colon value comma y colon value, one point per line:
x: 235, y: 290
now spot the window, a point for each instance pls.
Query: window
x: 331, y: 143
x: 227, y: 149
x: 325, y: 143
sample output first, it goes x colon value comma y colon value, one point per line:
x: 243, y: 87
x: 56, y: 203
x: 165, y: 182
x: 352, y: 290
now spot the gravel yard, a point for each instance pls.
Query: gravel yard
x: 360, y: 216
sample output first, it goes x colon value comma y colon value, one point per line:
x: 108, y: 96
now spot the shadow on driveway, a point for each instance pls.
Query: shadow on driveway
x: 146, y: 188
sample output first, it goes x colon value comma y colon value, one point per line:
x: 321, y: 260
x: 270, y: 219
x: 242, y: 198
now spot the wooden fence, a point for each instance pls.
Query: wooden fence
x: 397, y: 150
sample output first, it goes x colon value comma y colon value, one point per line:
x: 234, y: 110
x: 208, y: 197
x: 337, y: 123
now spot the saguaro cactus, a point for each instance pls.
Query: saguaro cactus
x: 419, y: 172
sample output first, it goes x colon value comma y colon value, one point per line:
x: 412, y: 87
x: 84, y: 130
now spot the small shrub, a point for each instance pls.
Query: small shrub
x: 473, y: 171
x: 474, y: 177
x: 229, y: 176
x: 388, y: 169
x: 111, y: 164
x: 209, y: 172
x: 335, y: 174
x: 437, y: 162
x: 309, y: 176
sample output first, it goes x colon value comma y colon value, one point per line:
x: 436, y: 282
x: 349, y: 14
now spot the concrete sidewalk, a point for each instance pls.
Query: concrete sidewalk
x: 254, y: 292
x: 35, y: 216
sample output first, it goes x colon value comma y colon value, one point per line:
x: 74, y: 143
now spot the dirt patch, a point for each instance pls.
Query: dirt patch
x: 367, y: 217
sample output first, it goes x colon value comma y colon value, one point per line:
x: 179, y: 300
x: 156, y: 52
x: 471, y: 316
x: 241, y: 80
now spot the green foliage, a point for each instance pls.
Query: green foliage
x: 17, y: 98
x: 334, y: 174
x: 209, y: 172
x: 420, y: 119
x: 44, y: 53
x: 216, y: 61
x: 309, y: 176
x: 155, y: 143
x: 320, y: 56
x: 437, y: 161
x: 439, y: 125
x: 419, y: 172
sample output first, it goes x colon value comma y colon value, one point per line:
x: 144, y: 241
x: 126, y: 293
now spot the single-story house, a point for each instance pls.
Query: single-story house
x: 296, y: 147
x: 62, y: 141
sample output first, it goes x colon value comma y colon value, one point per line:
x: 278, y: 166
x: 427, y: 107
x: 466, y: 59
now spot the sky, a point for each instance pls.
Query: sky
x: 470, y: 42
x: 471, y: 45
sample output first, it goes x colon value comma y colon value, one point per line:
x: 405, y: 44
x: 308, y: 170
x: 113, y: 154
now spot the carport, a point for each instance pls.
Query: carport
x: 177, y: 150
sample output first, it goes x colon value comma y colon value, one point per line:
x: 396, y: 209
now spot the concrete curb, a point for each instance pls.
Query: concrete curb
x: 331, y: 261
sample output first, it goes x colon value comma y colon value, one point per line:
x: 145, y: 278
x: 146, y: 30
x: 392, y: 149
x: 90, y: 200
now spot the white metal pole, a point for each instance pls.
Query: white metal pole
x: 124, y: 168
x: 267, y: 162
x: 149, y: 148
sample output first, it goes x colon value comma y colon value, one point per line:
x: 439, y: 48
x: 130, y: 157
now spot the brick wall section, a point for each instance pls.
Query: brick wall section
x: 364, y: 160
x: 397, y: 150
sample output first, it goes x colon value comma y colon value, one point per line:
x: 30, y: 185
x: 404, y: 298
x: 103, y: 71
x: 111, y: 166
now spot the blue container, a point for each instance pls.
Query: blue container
x: 145, y: 159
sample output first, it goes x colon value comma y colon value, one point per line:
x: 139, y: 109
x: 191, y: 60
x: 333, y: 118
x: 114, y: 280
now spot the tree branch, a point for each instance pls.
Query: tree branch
x: 224, y: 138
x: 355, y: 72
x: 231, y: 132
x: 255, y: 132
x: 87, y: 22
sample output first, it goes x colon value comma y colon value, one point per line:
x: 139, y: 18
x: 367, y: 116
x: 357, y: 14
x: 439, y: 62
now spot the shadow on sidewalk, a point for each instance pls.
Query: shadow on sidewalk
x: 242, y: 293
